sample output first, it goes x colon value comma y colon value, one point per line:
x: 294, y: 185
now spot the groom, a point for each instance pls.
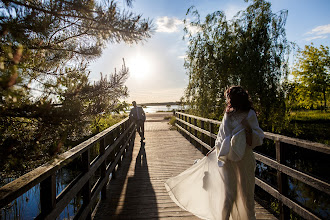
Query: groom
x: 138, y: 116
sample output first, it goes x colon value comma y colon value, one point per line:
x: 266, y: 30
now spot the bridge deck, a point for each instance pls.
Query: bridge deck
x: 138, y: 190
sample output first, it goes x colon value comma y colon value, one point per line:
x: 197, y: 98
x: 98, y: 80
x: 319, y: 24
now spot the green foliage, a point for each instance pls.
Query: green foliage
x: 103, y: 122
x: 275, y: 206
x: 250, y: 50
x: 46, y: 99
x: 311, y: 85
x: 312, y: 125
x: 310, y: 115
x: 172, y: 120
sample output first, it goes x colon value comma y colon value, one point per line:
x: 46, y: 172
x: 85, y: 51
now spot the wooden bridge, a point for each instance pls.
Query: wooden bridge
x: 139, y: 192
x: 138, y: 171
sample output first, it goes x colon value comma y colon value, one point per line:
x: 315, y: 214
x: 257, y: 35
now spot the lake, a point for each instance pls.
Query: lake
x: 162, y: 108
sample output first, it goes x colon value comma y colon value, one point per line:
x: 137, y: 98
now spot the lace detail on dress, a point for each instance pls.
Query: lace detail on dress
x: 236, y: 118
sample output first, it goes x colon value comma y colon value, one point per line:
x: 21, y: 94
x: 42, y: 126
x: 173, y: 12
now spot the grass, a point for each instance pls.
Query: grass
x: 309, y: 115
x: 313, y: 125
x: 172, y: 120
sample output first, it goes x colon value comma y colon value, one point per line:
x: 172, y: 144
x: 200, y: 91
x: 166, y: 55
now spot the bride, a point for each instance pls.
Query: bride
x: 221, y: 185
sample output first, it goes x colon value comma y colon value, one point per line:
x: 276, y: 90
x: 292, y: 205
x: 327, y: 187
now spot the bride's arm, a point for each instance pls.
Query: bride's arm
x: 254, y: 134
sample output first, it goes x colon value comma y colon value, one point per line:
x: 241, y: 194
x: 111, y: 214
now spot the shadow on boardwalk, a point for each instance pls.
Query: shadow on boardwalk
x: 138, y: 191
x: 139, y: 188
x: 130, y: 196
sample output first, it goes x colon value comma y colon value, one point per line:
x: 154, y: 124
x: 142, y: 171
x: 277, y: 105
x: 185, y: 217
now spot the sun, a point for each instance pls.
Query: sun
x: 140, y: 66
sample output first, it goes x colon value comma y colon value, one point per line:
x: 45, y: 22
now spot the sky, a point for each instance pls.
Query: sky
x: 156, y: 66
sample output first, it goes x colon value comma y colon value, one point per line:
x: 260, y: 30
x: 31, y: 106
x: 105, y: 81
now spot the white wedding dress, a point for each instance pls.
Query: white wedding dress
x: 221, y: 185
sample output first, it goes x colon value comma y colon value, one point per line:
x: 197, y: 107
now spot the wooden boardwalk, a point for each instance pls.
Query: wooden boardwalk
x: 138, y: 190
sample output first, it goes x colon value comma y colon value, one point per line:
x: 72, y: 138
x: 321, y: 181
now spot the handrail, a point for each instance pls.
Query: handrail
x: 113, y: 142
x: 323, y: 148
x: 185, y: 125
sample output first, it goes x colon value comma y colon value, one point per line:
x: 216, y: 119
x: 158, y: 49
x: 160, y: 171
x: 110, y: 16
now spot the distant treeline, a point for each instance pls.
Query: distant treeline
x: 160, y: 103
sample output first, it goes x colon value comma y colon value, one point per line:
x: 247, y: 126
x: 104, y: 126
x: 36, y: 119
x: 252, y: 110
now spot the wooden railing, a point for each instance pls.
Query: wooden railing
x: 112, y: 144
x: 194, y: 128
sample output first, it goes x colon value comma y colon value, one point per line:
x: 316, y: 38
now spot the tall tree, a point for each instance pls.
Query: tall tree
x: 312, y: 76
x: 249, y: 50
x: 45, y: 47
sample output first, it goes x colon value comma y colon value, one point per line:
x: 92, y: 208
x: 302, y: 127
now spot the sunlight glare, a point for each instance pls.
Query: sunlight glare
x: 140, y: 67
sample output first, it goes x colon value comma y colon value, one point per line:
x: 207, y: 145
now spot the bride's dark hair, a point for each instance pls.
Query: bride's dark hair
x: 237, y: 99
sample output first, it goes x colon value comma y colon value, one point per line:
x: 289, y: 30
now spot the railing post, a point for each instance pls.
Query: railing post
x: 185, y: 126
x: 103, y: 168
x: 202, y: 136
x: 180, y: 117
x: 86, y: 191
x: 133, y: 136
x: 118, y: 133
x: 185, y: 119
x: 195, y: 133
x: 124, y: 138
x: 195, y: 123
x: 282, y: 180
x: 127, y: 135
x: 190, y: 139
x: 175, y: 115
x: 127, y: 128
x: 48, y: 195
x: 211, y: 132
x: 113, y: 153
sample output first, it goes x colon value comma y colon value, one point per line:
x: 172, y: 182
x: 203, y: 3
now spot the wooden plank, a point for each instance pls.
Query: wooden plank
x: 85, y: 212
x: 289, y: 140
x: 323, y: 148
x: 303, y: 177
x: 14, y: 189
x: 208, y: 133
x: 195, y: 138
x: 138, y: 192
x: 200, y: 118
x: 291, y: 204
x: 282, y: 180
x: 86, y: 189
x: 48, y: 195
x: 67, y: 196
x: 103, y: 167
x: 211, y: 135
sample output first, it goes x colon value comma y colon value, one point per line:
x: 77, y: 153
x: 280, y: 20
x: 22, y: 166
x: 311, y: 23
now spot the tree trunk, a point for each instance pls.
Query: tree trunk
x: 325, y: 99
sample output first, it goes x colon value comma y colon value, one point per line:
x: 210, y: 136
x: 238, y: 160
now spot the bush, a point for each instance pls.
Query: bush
x: 172, y: 120
x: 103, y: 122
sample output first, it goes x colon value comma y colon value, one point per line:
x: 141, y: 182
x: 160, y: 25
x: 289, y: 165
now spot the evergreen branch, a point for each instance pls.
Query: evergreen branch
x: 61, y: 29
x: 61, y: 49
x: 51, y: 12
x: 71, y: 37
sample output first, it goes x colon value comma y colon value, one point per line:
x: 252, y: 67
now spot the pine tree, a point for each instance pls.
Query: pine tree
x: 45, y: 47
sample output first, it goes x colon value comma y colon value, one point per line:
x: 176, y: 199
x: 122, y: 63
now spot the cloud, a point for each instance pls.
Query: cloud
x: 168, y: 25
x: 316, y: 37
x: 182, y: 57
x: 193, y: 29
x: 320, y: 32
x: 231, y: 10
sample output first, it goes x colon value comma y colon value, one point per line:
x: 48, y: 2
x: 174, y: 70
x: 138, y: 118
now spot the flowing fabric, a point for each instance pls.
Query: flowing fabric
x: 217, y: 187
